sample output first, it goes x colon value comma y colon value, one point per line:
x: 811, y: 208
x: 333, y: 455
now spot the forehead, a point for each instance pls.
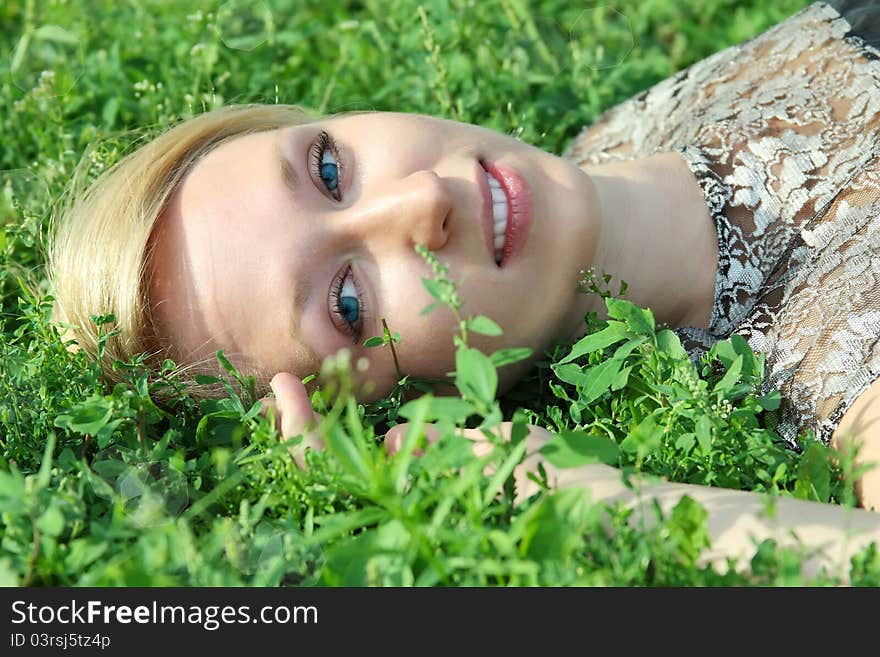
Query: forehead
x: 212, y: 277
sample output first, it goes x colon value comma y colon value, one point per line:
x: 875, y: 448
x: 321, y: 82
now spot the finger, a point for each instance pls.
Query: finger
x: 292, y: 402
x: 395, y: 436
x: 297, y: 416
x: 482, y: 444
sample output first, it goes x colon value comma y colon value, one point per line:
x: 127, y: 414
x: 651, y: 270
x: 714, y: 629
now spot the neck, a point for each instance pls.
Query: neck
x: 658, y: 237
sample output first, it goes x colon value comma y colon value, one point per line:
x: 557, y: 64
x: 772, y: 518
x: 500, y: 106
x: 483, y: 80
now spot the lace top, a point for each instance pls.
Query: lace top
x: 782, y: 133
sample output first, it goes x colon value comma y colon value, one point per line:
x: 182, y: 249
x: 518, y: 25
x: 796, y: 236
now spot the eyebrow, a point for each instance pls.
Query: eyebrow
x: 288, y: 172
x: 303, y: 290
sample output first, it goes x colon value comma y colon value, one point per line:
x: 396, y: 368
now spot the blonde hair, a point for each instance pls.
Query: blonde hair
x: 99, y: 249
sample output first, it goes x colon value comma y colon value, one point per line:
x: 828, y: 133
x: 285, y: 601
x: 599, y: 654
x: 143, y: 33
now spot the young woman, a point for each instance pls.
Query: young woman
x: 736, y: 196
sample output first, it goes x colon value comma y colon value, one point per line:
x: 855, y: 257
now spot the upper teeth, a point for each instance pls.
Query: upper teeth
x: 499, y: 216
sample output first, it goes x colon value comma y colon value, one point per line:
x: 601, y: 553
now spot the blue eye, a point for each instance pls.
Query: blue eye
x: 329, y: 172
x: 325, y: 164
x: 346, y: 304
x: 349, y: 309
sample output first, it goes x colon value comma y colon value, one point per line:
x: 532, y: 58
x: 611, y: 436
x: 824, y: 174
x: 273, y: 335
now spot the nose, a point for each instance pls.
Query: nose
x: 416, y: 209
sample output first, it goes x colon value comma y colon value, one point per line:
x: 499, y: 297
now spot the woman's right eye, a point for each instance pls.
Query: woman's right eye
x: 347, y: 305
x: 325, y: 164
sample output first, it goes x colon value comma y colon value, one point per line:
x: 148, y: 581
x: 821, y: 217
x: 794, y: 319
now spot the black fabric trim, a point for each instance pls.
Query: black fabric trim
x: 863, y: 17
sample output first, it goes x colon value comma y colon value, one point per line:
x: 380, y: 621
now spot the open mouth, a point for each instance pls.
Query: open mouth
x: 511, y: 212
x: 500, y: 216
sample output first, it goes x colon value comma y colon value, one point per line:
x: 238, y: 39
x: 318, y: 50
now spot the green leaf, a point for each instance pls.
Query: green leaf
x: 224, y: 362
x: 21, y: 49
x: 628, y: 347
x: 436, y: 289
x: 704, y: 433
x: 88, y: 417
x: 644, y: 439
x: 202, y: 429
x: 12, y: 493
x: 685, y: 442
x: 110, y: 110
x: 45, y: 473
x: 55, y: 33
x: 348, y: 562
x: 814, y: 474
x: 614, y: 332
x: 723, y: 350
x: 503, y: 472
x: 252, y: 412
x: 687, y: 529
x: 475, y: 377
x: 553, y: 529
x: 350, y: 453
x: 51, y: 522
x: 483, y: 325
x: 375, y: 341
x: 599, y: 380
x: 669, y: 343
x: 84, y: 551
x: 621, y: 379
x: 730, y: 378
x: 454, y: 409
x: 571, y: 449
x: 100, y: 487
x: 750, y: 364
x: 571, y: 373
x: 594, y: 381
x: 332, y: 526
x: 639, y: 320
x: 575, y: 412
x: 104, y: 435
x: 417, y: 411
x: 509, y: 356
x: 770, y: 401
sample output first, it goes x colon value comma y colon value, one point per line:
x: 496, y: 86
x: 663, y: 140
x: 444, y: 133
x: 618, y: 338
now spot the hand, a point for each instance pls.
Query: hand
x: 294, y: 414
x: 536, y: 438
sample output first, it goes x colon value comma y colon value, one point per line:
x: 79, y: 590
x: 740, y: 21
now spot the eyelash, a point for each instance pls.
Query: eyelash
x: 324, y: 143
x: 354, y: 329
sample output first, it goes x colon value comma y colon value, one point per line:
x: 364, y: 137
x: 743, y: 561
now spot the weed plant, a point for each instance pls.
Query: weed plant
x: 100, y: 486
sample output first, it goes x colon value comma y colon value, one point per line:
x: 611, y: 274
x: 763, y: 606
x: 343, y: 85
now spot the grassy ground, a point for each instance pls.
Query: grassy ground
x: 98, y: 486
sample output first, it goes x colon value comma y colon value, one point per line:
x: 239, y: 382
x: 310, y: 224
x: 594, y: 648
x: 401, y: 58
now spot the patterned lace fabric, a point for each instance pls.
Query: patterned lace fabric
x: 782, y: 134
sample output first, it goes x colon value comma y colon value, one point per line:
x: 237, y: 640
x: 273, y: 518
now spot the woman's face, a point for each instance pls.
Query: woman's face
x: 283, y: 247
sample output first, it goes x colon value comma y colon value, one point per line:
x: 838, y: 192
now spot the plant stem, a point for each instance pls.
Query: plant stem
x: 391, y: 346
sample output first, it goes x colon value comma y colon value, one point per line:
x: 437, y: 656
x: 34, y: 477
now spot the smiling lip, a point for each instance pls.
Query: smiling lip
x: 519, y: 213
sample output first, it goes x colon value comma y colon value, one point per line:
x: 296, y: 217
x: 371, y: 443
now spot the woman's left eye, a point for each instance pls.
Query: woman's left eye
x: 347, y: 305
x: 326, y: 165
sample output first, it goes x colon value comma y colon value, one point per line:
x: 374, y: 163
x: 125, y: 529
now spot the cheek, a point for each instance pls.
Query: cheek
x: 426, y: 347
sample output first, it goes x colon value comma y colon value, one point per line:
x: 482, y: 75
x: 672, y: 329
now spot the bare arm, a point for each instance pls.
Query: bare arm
x: 860, y: 428
x: 737, y: 520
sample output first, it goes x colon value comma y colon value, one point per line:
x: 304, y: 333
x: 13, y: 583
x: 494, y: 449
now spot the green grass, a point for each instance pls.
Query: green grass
x: 99, y: 486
